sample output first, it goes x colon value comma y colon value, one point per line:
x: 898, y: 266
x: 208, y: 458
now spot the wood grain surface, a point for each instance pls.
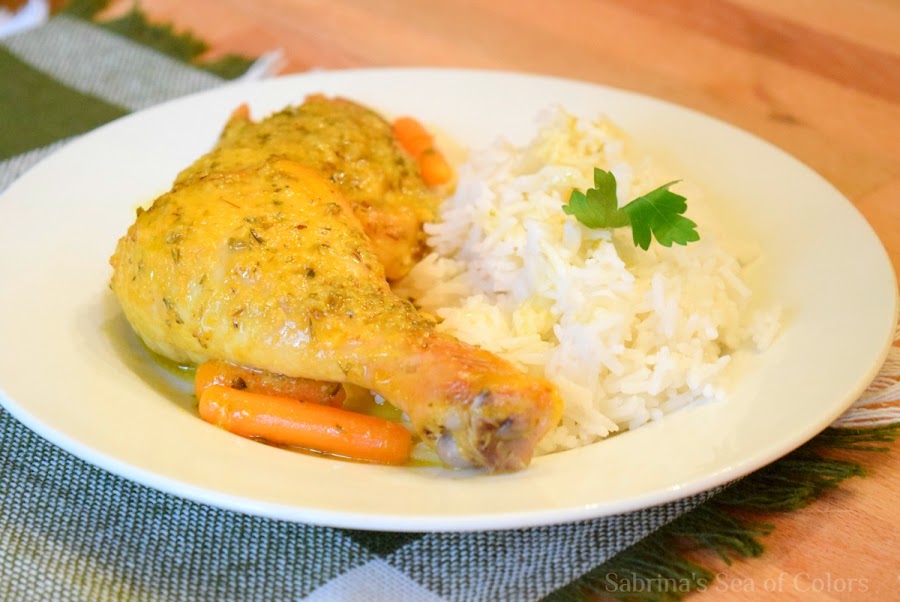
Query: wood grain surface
x: 818, y: 78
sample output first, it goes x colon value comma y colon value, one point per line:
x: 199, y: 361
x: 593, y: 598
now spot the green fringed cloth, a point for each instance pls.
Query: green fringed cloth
x: 69, y: 531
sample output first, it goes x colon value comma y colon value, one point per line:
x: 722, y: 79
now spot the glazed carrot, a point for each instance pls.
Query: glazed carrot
x: 216, y: 372
x: 412, y: 135
x: 313, y: 426
x: 241, y: 112
x: 435, y: 169
x: 416, y: 141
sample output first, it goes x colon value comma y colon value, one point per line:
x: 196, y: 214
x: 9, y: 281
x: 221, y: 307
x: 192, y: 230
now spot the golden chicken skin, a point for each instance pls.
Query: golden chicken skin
x: 355, y: 149
x: 268, y: 266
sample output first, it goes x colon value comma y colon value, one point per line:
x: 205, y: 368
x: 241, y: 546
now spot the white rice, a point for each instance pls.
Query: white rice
x: 627, y: 335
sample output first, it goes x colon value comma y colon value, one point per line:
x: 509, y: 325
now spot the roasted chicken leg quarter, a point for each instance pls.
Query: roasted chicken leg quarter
x: 266, y: 265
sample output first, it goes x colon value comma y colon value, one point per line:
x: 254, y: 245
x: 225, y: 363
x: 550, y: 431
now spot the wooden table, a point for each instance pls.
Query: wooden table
x: 819, y: 78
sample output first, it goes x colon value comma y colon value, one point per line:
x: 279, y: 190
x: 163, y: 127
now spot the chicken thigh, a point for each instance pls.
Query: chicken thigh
x: 266, y: 265
x: 355, y: 149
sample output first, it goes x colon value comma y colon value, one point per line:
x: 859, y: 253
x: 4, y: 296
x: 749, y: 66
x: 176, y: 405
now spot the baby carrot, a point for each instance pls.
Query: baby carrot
x: 217, y: 372
x: 309, y: 425
x: 435, y: 169
x: 416, y: 141
x: 241, y: 113
x: 412, y: 135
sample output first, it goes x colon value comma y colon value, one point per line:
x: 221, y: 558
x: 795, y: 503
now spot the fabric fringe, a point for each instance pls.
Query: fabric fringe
x: 649, y: 570
x: 874, y: 407
x: 183, y: 46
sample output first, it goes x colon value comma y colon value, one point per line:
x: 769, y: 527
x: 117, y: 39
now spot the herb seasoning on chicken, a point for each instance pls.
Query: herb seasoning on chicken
x: 355, y: 149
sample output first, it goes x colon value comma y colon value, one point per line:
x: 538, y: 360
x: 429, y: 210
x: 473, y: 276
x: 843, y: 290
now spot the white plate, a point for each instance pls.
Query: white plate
x: 71, y: 370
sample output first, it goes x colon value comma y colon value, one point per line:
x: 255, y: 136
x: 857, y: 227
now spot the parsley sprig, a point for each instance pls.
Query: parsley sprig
x: 659, y: 213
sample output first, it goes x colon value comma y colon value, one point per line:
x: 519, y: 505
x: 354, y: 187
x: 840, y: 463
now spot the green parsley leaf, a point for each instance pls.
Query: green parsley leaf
x: 598, y: 208
x: 659, y: 213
